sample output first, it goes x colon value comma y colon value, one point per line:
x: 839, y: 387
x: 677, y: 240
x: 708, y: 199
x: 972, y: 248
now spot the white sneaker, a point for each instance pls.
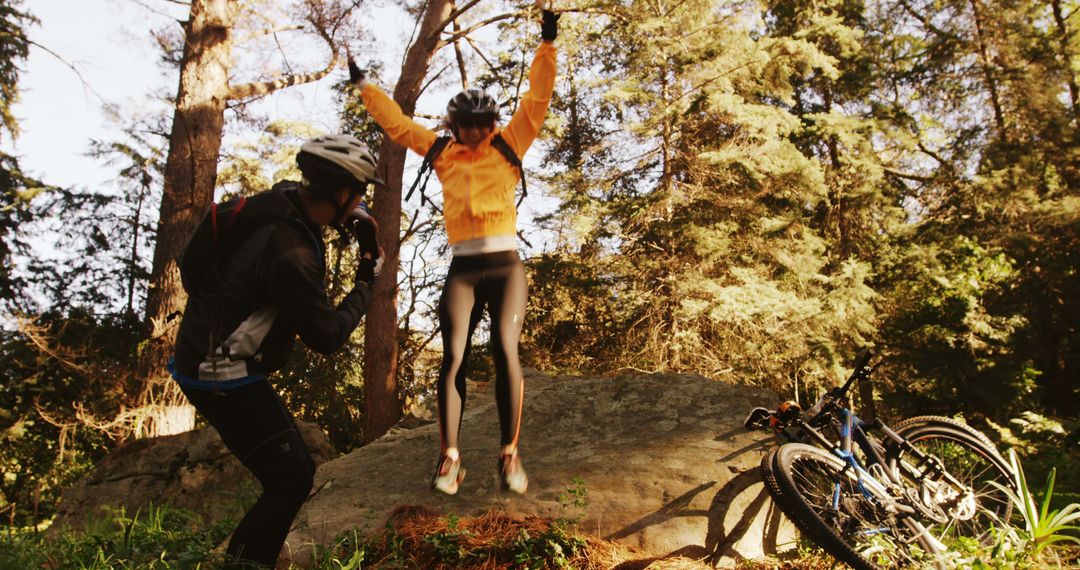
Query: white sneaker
x: 448, y: 476
x: 512, y: 473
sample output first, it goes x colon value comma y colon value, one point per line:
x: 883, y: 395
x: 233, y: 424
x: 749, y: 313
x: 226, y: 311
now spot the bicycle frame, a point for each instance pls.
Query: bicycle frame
x: 853, y: 432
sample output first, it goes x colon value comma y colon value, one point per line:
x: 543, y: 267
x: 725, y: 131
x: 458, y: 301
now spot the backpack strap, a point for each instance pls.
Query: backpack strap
x: 228, y: 223
x: 426, y: 168
x: 504, y: 147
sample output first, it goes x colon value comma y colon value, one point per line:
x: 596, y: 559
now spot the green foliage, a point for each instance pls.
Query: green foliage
x: 57, y: 375
x: 694, y: 241
x: 450, y: 544
x: 953, y: 353
x: 16, y: 194
x: 1043, y: 527
x: 252, y: 167
x: 575, y: 500
x: 553, y: 548
x: 15, y: 188
x: 160, y: 538
x: 14, y: 47
x: 1046, y: 444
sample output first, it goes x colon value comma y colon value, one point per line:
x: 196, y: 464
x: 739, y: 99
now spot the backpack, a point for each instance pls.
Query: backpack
x: 222, y: 229
x: 428, y: 166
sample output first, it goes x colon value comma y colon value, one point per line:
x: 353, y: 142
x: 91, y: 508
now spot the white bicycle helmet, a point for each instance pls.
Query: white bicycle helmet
x: 334, y: 160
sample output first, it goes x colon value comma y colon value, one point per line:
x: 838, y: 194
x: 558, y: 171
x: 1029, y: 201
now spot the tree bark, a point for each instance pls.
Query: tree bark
x: 381, y: 399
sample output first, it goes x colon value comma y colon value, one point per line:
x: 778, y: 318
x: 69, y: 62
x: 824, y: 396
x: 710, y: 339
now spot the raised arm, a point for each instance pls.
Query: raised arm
x: 387, y: 113
x: 529, y: 117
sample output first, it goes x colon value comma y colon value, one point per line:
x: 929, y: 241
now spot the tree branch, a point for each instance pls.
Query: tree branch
x: 906, y: 176
x: 924, y: 20
x: 457, y: 35
x: 86, y: 84
x: 269, y: 31
x: 160, y: 12
x: 429, y: 82
x: 460, y: 59
x: 455, y: 14
x: 257, y: 89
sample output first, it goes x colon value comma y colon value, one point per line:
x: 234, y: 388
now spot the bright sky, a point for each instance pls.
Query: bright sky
x: 57, y: 114
x: 108, y: 42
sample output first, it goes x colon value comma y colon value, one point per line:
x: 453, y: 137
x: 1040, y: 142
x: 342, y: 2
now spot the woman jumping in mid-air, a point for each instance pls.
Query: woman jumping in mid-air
x: 481, y: 225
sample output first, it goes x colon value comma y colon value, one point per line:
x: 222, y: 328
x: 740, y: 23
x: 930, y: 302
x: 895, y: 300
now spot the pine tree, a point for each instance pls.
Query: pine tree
x: 701, y: 220
x: 981, y: 97
x: 14, y: 198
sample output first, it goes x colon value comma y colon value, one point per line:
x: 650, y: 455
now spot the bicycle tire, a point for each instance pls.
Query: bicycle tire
x: 820, y: 494
x: 971, y: 457
x: 768, y: 477
x: 918, y: 421
x: 767, y: 474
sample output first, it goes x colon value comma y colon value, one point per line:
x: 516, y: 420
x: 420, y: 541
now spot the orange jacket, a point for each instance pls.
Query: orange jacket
x: 478, y: 186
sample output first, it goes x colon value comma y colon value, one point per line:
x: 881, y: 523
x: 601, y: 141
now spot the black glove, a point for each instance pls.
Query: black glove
x: 356, y: 75
x: 549, y: 25
x: 365, y: 229
x: 365, y: 271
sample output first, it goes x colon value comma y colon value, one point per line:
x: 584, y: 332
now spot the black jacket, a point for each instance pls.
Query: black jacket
x: 265, y: 290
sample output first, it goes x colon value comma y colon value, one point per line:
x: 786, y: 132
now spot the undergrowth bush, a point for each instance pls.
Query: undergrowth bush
x: 160, y: 537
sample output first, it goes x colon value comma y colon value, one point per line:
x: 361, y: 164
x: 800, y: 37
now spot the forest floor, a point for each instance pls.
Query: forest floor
x: 497, y: 541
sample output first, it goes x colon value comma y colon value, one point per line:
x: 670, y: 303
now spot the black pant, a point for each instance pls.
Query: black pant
x: 498, y: 281
x: 260, y: 431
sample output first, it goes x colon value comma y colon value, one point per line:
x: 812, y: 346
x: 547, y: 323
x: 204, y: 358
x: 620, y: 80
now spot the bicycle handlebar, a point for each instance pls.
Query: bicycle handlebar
x: 861, y: 371
x: 761, y: 418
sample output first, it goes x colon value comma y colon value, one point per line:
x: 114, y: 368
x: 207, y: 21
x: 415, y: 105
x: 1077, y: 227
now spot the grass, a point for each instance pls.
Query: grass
x: 157, y: 538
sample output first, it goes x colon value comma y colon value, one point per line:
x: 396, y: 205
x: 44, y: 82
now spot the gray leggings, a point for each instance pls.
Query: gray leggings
x: 498, y: 281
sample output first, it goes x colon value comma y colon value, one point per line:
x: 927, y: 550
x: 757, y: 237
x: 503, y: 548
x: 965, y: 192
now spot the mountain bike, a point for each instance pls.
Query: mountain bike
x: 876, y: 496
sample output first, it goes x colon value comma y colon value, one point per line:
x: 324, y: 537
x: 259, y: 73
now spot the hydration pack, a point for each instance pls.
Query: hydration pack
x: 224, y: 227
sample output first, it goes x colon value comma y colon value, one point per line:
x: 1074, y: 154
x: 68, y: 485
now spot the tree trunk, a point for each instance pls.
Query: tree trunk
x: 190, y: 172
x: 381, y: 399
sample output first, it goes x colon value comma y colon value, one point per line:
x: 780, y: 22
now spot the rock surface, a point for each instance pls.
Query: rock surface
x: 665, y: 462
x: 191, y: 470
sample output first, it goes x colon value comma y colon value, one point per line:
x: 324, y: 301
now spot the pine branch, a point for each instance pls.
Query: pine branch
x: 258, y: 89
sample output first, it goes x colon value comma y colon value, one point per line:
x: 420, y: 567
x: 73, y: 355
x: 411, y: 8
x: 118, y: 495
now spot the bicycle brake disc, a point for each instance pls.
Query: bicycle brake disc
x: 927, y: 508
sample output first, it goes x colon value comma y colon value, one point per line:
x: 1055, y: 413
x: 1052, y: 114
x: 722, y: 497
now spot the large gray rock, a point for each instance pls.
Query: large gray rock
x: 191, y: 470
x: 666, y: 464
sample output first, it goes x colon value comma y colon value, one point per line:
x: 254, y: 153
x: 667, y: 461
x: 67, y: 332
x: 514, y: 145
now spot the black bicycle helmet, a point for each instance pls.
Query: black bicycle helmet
x: 333, y: 161
x: 472, y: 107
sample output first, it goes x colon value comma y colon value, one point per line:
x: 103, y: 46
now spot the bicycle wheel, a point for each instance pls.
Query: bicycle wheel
x: 823, y: 497
x: 972, y: 511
